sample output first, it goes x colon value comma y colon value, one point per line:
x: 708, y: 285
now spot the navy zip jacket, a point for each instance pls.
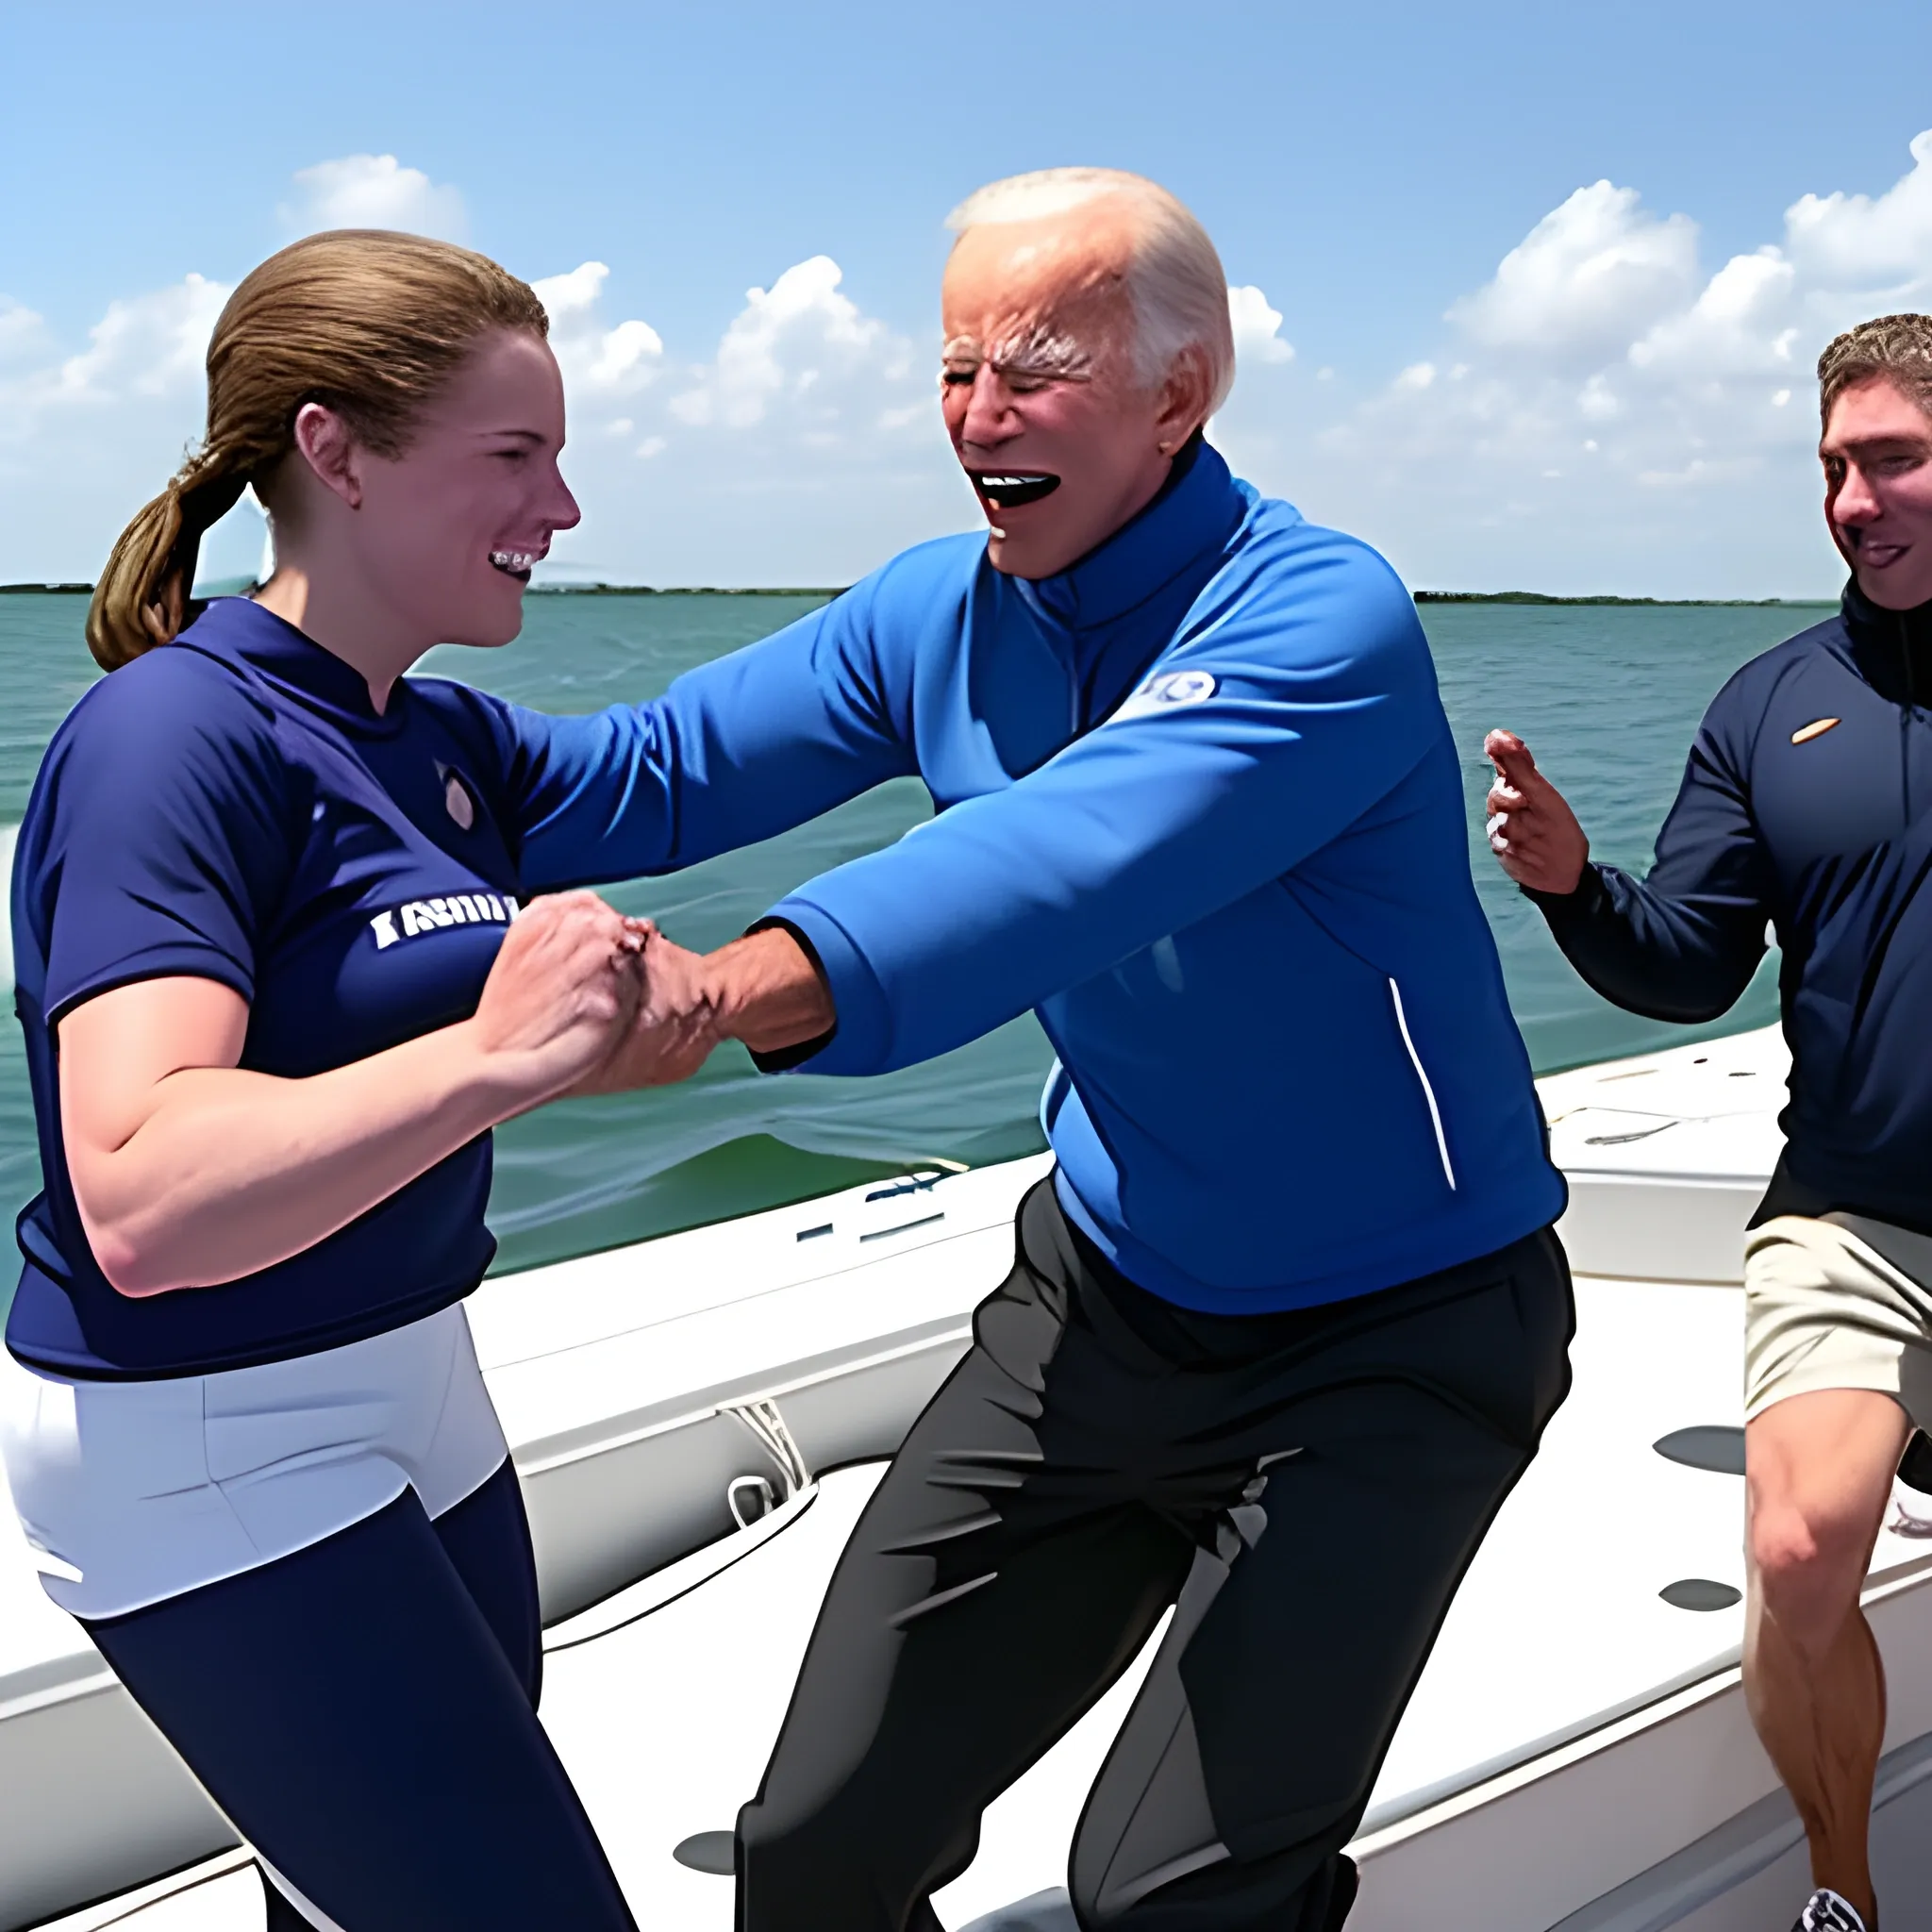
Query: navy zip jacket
x: 1199, y: 810
x: 1803, y: 805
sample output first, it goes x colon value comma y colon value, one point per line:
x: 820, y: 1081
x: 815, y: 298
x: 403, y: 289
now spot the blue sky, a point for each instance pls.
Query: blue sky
x: 1367, y: 169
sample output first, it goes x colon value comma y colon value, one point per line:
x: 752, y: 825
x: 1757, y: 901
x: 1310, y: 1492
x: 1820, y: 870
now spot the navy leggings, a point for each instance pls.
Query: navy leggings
x: 365, y: 1710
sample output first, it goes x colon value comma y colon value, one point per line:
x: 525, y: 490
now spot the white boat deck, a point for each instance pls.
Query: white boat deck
x: 1575, y: 1731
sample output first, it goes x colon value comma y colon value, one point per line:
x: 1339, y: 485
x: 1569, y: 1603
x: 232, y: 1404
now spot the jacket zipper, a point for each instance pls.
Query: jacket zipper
x: 1904, y: 742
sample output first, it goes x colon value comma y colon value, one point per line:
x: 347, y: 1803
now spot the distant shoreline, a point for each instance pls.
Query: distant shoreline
x: 535, y: 591
x: 1656, y: 602
x: 827, y: 590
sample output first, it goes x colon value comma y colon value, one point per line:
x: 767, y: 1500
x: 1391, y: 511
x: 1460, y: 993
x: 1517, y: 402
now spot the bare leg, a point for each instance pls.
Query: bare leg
x: 1818, y: 1469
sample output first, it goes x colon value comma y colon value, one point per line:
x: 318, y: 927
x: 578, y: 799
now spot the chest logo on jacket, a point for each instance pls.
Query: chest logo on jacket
x: 1168, y: 690
x: 416, y: 916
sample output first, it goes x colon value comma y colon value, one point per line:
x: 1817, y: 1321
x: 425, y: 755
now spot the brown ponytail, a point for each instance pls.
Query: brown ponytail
x: 371, y: 324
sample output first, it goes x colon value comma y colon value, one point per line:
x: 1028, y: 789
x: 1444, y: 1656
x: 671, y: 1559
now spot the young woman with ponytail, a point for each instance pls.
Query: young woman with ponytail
x: 273, y: 1004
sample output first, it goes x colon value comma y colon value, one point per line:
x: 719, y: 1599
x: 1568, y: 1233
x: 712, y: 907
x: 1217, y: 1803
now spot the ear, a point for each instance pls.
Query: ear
x: 326, y: 444
x: 1184, y: 397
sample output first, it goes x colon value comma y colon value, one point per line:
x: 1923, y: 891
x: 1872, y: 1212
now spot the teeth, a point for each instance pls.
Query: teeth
x: 512, y: 559
x: 1009, y: 482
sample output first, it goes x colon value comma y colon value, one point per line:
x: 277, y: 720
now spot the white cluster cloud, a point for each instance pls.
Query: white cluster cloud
x: 805, y: 450
x: 375, y: 191
x: 1588, y: 277
x: 1258, y: 336
x: 595, y: 360
x: 1605, y: 411
x: 87, y: 436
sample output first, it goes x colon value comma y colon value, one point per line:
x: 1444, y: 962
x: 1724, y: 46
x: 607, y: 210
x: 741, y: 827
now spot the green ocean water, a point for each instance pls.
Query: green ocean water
x: 1607, y: 696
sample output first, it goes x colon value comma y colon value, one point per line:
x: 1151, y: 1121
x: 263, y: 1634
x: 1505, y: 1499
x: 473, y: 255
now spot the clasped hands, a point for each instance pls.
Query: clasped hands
x: 583, y: 1000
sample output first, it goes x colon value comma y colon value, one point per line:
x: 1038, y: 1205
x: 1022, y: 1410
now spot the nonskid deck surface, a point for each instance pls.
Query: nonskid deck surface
x: 1568, y: 1676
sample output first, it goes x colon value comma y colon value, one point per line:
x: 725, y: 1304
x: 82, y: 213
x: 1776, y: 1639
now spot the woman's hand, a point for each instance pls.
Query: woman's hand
x: 563, y: 994
x: 189, y: 1170
x: 1532, y: 830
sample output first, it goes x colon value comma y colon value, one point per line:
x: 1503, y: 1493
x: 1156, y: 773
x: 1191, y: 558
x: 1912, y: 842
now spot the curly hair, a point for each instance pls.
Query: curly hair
x: 1897, y: 347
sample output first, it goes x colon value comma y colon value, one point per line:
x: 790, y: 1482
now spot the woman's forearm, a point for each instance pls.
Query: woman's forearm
x: 189, y: 1171
x: 232, y: 1172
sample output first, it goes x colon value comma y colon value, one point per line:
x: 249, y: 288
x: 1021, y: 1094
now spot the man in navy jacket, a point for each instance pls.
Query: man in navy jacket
x: 1804, y: 807
x: 1288, y: 1321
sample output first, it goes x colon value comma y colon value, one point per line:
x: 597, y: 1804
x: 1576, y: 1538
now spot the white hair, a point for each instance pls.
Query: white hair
x: 1175, y: 278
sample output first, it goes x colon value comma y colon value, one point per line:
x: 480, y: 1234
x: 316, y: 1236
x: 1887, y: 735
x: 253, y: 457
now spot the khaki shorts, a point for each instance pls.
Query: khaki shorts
x: 1838, y: 1303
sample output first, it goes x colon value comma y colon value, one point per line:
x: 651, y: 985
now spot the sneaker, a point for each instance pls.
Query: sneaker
x: 1911, y: 1511
x: 1825, y: 1911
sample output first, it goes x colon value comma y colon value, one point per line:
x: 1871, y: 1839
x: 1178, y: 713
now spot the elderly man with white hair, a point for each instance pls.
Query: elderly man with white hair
x: 1288, y: 1320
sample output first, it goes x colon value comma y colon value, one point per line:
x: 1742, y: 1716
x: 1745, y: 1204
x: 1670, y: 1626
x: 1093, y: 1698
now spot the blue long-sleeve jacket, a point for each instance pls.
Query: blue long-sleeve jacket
x: 1198, y: 808
x: 1806, y: 804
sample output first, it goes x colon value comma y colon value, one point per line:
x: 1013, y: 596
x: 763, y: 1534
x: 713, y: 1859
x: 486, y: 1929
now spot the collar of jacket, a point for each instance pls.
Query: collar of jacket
x: 1198, y: 508
x: 1893, y: 648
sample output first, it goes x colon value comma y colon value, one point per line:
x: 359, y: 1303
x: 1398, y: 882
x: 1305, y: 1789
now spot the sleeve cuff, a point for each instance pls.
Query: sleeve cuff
x: 782, y: 1060
x: 62, y: 994
x: 861, y: 1036
x: 1578, y: 903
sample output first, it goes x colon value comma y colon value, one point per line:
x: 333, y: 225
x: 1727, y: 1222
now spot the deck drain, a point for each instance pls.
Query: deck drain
x: 709, y: 1851
x: 1686, y: 1594
x: 1709, y: 1445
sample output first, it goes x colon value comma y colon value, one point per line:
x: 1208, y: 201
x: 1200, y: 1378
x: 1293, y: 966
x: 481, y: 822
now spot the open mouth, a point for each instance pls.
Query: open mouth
x: 1012, y: 489
x: 515, y: 563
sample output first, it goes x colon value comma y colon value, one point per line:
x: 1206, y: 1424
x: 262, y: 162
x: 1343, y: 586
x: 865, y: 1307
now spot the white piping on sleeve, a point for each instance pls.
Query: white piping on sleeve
x: 1415, y: 1059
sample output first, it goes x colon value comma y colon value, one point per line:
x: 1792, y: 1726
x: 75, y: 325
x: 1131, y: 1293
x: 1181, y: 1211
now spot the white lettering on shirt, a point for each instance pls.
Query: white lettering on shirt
x: 430, y: 915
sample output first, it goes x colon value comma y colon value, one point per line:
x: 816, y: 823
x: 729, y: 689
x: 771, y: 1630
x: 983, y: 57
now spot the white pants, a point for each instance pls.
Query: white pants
x: 132, y: 1493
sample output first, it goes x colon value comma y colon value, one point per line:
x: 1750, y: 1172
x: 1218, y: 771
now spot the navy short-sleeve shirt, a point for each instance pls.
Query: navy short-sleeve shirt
x: 233, y: 808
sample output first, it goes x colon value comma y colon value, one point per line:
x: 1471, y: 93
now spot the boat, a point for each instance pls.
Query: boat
x: 698, y: 1420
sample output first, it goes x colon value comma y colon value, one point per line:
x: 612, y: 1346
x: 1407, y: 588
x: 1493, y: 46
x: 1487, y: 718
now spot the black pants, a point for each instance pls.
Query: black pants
x: 365, y: 1711
x: 1309, y: 1486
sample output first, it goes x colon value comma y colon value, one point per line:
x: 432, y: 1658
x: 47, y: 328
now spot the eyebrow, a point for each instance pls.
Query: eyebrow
x: 1867, y: 447
x: 531, y: 436
x: 1032, y: 350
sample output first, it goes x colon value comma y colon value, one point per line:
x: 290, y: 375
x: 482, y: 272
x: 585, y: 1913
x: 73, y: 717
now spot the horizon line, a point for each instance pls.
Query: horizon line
x: 241, y: 587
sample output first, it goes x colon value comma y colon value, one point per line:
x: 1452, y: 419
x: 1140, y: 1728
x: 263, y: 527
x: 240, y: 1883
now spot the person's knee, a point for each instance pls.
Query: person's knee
x: 1819, y: 1468
x: 1810, y: 1560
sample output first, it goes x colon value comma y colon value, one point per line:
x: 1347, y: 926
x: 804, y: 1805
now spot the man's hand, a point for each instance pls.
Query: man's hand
x: 1532, y: 830
x: 763, y: 990
x: 769, y: 992
x: 676, y: 1026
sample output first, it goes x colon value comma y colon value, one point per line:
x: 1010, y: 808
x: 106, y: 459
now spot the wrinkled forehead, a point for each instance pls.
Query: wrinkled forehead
x: 1045, y: 296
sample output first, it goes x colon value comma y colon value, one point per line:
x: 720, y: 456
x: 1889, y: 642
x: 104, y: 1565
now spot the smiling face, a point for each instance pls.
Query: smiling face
x: 453, y: 524
x: 1877, y: 455
x: 380, y: 556
x: 1061, y: 440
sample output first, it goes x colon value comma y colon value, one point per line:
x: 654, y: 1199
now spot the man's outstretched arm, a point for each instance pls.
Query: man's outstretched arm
x: 1291, y: 716
x: 736, y: 750
x: 1682, y: 943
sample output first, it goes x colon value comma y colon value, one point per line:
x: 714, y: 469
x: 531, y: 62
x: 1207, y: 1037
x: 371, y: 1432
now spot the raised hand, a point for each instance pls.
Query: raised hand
x: 1532, y: 829
x: 563, y: 991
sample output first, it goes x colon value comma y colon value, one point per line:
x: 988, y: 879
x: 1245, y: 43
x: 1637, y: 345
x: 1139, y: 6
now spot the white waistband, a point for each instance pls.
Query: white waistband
x: 132, y: 1493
